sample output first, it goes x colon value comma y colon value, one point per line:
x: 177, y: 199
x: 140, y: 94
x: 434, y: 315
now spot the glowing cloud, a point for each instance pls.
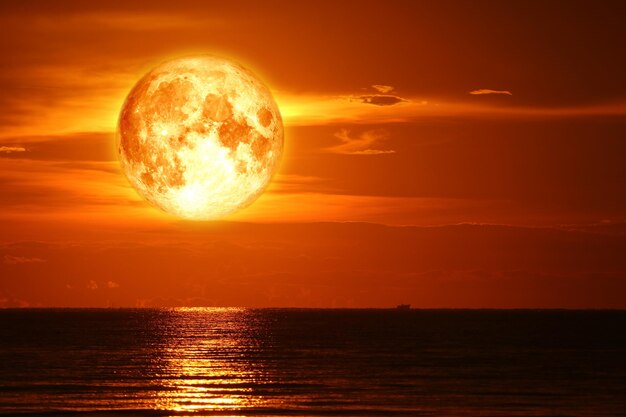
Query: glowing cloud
x: 362, y: 144
x: 17, y: 260
x: 381, y: 99
x: 484, y: 91
x: 12, y: 149
x: 384, y: 89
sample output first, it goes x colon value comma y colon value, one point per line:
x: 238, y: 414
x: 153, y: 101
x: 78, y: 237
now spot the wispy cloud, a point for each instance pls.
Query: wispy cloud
x: 17, y: 260
x: 312, y: 110
x: 12, y: 149
x: 376, y: 257
x: 292, y: 183
x: 381, y: 99
x: 384, y: 89
x: 29, y: 186
x: 127, y: 21
x: 362, y: 144
x: 484, y: 91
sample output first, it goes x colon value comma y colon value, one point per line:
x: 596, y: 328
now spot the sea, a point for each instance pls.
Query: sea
x: 312, y: 362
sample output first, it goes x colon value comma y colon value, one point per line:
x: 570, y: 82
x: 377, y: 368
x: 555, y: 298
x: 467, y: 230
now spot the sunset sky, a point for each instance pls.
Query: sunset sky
x: 442, y: 154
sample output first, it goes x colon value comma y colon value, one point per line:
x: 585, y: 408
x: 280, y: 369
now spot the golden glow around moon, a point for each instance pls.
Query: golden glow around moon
x: 200, y: 137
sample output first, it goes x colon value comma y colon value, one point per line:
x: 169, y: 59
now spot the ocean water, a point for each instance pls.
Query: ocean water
x: 242, y: 362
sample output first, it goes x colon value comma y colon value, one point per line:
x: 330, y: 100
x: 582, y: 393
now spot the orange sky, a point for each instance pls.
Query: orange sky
x: 443, y: 154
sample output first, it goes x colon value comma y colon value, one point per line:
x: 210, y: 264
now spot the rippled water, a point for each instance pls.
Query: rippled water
x: 312, y: 362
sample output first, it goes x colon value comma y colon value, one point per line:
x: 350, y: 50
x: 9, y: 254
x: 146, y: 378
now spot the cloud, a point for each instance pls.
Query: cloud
x: 62, y: 89
x: 484, y: 91
x: 373, y: 152
x: 92, y: 285
x: 293, y: 183
x: 35, y: 186
x: 11, y: 149
x: 363, y: 144
x: 381, y: 99
x: 316, y: 110
x: 112, y: 284
x: 16, y: 260
x: 11, y: 302
x: 261, y: 265
x: 83, y: 146
x: 383, y: 88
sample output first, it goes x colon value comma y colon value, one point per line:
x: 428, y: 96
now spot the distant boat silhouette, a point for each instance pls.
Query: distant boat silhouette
x: 403, y: 306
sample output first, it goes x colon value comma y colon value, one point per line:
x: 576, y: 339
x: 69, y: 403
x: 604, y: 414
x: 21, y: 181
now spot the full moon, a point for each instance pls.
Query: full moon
x: 200, y: 137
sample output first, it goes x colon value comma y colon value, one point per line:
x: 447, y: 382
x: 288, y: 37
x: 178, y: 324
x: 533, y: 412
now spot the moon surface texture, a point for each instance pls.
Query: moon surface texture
x: 200, y: 137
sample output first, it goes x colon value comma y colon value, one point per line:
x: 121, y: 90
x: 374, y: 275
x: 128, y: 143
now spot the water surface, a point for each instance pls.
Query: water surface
x: 244, y: 362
